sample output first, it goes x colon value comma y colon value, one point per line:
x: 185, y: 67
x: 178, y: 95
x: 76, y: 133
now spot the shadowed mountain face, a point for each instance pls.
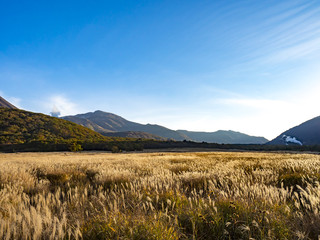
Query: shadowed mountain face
x: 307, y: 133
x: 5, y: 104
x: 131, y: 134
x: 221, y: 136
x: 110, y: 124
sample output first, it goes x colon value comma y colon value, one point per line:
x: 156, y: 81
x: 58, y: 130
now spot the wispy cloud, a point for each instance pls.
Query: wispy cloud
x: 287, y: 33
x: 247, y: 102
x: 295, y: 52
x: 262, y: 104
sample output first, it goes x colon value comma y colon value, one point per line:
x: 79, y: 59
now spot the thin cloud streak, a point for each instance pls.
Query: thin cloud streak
x: 296, y: 35
x: 296, y: 52
x: 262, y: 104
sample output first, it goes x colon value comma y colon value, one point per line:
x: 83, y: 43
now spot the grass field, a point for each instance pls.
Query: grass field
x: 159, y: 196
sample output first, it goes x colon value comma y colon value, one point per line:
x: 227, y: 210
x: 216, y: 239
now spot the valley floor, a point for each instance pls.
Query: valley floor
x: 159, y: 195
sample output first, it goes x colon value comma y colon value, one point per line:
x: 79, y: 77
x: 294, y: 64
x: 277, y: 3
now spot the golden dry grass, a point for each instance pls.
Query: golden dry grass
x: 219, y: 195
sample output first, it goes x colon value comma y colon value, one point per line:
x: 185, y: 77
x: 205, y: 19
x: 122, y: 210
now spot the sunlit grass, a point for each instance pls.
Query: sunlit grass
x: 159, y: 196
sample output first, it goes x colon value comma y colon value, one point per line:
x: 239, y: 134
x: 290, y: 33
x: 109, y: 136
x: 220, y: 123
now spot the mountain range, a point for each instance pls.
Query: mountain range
x: 110, y: 124
x: 22, y: 126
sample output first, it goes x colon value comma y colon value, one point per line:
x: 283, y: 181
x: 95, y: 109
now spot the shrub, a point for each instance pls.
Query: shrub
x: 115, y: 149
x: 75, y: 147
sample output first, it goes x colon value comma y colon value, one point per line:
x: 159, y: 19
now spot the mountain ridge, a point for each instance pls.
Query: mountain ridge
x: 107, y: 123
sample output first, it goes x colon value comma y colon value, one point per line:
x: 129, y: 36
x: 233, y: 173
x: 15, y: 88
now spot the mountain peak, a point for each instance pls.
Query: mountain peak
x: 100, y: 112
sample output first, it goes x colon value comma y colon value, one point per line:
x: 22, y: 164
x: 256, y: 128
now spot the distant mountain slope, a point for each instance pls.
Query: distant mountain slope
x: 307, y: 133
x: 131, y: 134
x: 104, y: 122
x: 110, y: 124
x: 5, y: 104
x: 18, y: 126
x: 221, y: 136
x: 87, y: 123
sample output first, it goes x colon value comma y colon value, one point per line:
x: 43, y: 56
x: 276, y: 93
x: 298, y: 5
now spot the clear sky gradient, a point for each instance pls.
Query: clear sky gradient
x: 248, y: 66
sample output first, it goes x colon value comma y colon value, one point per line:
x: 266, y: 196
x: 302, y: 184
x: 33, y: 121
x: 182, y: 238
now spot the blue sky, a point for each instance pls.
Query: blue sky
x: 249, y: 66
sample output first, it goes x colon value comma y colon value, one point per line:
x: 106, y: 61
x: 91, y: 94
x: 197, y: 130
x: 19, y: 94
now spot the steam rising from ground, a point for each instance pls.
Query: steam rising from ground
x: 290, y: 139
x: 62, y: 106
x: 55, y: 112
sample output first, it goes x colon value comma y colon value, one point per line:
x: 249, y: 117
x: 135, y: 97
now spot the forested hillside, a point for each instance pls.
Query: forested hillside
x: 19, y: 126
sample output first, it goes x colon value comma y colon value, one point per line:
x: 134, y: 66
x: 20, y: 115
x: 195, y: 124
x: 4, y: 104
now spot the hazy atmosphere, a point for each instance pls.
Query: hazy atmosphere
x: 248, y: 66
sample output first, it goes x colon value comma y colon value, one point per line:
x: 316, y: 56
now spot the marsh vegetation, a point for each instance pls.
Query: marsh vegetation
x: 159, y: 196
